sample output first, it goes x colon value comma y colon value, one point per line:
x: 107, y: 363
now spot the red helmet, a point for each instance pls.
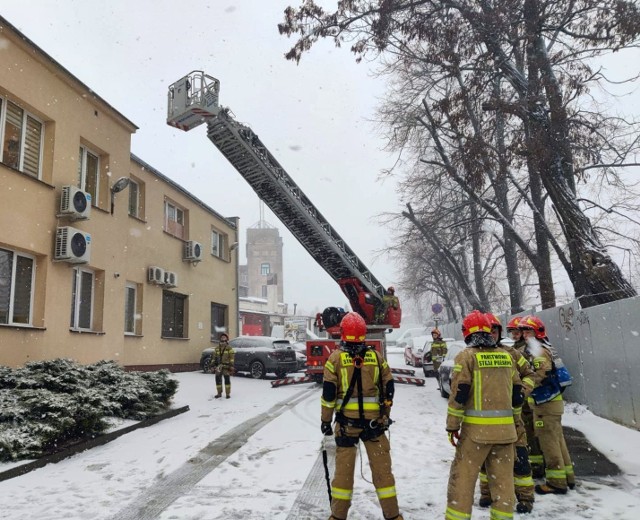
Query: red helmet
x: 391, y: 289
x: 493, y: 319
x: 533, y: 323
x: 435, y: 331
x: 353, y: 329
x: 475, y: 321
x: 513, y: 323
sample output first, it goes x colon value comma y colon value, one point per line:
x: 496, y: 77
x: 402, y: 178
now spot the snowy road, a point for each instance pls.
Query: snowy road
x: 249, y: 456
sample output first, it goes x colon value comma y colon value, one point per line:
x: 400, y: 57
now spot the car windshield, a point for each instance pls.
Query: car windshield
x: 281, y: 343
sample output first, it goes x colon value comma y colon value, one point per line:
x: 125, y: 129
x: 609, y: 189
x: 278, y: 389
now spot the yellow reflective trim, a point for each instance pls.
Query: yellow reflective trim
x: 488, y: 420
x: 555, y: 473
x: 494, y: 514
x: 455, y: 412
x: 538, y: 424
x: 523, y: 481
x: 529, y: 382
x: 568, y: 470
x: 517, y: 410
x: 365, y: 406
x: 457, y: 368
x: 477, y: 390
x: 536, y: 459
x: 330, y: 367
x: 328, y: 404
x: 452, y: 514
x: 522, y: 361
x: 341, y: 494
x: 483, y: 477
x: 386, y: 492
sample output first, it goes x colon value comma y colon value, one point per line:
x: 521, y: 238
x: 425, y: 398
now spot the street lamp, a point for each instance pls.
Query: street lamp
x: 118, y: 186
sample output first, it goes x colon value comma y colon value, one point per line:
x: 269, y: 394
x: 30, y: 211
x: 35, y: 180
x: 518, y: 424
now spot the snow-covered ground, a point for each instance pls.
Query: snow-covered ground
x: 175, y: 468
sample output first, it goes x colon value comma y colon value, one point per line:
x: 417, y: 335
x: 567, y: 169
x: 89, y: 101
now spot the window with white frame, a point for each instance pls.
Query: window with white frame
x: 265, y: 268
x: 174, y: 220
x: 218, y: 241
x: 83, y: 286
x: 130, y: 308
x: 89, y: 173
x: 219, y: 324
x: 17, y: 275
x: 21, y: 134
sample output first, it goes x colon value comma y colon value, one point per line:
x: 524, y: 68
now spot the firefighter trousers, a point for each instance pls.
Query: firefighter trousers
x: 465, y: 468
x: 227, y: 382
x: 379, y: 455
x: 522, y: 480
x: 535, y: 452
x: 559, y: 468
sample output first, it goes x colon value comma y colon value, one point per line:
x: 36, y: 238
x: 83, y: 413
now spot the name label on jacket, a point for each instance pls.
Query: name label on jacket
x: 493, y: 359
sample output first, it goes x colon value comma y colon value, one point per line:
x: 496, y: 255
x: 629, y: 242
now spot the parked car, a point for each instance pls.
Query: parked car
x: 301, y: 354
x: 446, y: 368
x: 258, y: 355
x: 414, y: 350
x: 404, y: 339
x: 399, y: 335
x: 427, y: 362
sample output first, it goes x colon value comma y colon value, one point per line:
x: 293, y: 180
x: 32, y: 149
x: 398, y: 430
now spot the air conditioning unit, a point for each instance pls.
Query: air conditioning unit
x: 72, y: 246
x: 170, y: 279
x: 155, y: 275
x: 74, y: 203
x: 192, y: 251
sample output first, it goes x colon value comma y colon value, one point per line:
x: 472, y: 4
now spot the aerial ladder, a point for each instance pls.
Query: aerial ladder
x: 194, y: 100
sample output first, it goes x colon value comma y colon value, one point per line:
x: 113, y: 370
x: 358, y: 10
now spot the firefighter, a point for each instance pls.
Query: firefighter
x: 548, y: 407
x: 389, y: 301
x: 438, y: 349
x: 536, y: 460
x: 223, y: 357
x: 358, y: 387
x: 484, y: 390
x: 522, y: 480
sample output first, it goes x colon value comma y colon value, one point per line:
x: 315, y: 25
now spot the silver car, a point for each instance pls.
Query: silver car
x: 258, y: 355
x: 446, y: 367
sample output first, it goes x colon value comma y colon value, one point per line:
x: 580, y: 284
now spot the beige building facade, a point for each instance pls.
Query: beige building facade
x: 101, y: 255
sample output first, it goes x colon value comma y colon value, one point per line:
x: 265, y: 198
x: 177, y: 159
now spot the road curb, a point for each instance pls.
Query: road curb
x: 88, y: 444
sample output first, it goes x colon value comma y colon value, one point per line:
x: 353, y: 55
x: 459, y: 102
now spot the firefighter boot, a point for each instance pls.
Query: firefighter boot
x: 548, y: 489
x: 524, y: 507
x: 485, y: 494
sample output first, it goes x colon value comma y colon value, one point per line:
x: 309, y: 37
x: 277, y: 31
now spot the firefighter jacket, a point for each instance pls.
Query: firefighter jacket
x: 522, y: 365
x: 438, y: 349
x: 541, y: 360
x: 223, y: 357
x: 481, y: 401
x: 376, y: 377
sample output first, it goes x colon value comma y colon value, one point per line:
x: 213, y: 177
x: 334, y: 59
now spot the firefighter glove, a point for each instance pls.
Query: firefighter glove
x: 325, y: 428
x: 454, y: 437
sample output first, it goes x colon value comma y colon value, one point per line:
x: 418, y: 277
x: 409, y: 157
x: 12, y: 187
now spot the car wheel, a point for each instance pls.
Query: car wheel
x: 424, y: 369
x: 206, y: 365
x: 257, y: 370
x: 280, y: 373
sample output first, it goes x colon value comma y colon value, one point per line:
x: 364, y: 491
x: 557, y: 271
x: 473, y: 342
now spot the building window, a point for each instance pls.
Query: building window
x: 174, y: 310
x: 174, y: 220
x: 16, y: 287
x: 83, y: 281
x: 265, y: 268
x: 132, y: 309
x: 89, y: 173
x: 218, y: 242
x: 136, y: 198
x: 218, y: 320
x: 264, y: 291
x: 22, y: 136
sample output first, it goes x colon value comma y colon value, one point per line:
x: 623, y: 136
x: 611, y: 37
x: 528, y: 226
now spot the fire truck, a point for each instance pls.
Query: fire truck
x: 194, y: 100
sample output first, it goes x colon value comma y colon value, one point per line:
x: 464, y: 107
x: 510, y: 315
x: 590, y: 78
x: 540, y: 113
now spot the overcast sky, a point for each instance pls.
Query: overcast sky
x: 314, y: 117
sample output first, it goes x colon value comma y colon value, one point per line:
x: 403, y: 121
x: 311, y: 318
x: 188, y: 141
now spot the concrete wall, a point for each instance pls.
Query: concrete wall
x: 601, y: 348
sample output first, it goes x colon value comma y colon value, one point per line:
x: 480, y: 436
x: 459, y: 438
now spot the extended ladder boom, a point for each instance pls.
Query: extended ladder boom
x: 193, y: 100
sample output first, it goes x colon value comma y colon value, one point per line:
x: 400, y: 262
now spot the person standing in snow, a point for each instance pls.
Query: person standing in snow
x: 223, y: 358
x: 536, y: 460
x: 522, y: 478
x: 358, y: 387
x: 548, y: 407
x: 485, y: 388
x: 438, y: 349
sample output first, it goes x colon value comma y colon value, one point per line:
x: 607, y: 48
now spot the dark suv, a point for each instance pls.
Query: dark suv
x: 258, y: 355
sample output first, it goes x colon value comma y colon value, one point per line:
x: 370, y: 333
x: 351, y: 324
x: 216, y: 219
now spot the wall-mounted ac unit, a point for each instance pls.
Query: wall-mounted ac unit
x: 192, y: 251
x: 155, y: 275
x: 72, y: 245
x: 74, y: 203
x: 170, y: 279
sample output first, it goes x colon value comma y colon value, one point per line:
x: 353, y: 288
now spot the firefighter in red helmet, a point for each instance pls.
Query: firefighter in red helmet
x: 548, y: 406
x: 438, y: 349
x: 484, y: 390
x: 389, y: 301
x: 358, y: 389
